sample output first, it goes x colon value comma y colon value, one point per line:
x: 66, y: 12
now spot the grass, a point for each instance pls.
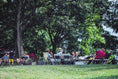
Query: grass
x: 59, y: 72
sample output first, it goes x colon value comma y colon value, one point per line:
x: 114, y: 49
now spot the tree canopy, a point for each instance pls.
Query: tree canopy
x: 35, y: 25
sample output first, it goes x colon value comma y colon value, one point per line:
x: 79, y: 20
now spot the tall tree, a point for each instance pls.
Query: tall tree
x: 56, y: 21
x: 19, y: 31
x: 21, y: 14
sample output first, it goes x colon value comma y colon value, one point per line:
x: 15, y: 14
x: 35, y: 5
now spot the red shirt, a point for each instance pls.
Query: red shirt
x: 99, y: 54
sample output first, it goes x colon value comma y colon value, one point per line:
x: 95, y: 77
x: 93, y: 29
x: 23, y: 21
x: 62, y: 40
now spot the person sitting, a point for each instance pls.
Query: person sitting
x: 77, y: 55
x: 73, y: 57
x: 19, y: 61
x: 50, y: 57
x: 25, y: 58
x: 60, y: 53
x: 1, y: 55
x: 5, y: 58
x: 99, y: 55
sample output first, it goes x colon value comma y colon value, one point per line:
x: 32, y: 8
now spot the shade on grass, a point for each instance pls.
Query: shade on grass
x: 59, y: 72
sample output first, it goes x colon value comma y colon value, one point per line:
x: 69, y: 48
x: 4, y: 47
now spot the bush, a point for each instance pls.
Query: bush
x: 112, y: 60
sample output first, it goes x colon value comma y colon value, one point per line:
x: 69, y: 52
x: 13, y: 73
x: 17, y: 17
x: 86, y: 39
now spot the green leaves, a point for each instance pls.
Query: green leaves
x: 5, y: 1
x: 43, y: 10
x: 93, y: 38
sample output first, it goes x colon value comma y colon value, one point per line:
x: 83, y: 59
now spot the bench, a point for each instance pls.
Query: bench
x: 88, y: 61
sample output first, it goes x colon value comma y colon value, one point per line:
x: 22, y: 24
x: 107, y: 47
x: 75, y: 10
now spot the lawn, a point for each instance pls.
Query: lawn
x: 59, y: 72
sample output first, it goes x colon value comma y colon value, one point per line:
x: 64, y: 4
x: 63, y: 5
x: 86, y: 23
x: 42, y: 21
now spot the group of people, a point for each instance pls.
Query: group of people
x: 52, y: 60
x: 23, y: 60
x: 99, y: 54
x: 10, y: 58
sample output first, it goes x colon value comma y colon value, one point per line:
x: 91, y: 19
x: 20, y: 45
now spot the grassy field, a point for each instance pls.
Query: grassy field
x: 59, y: 72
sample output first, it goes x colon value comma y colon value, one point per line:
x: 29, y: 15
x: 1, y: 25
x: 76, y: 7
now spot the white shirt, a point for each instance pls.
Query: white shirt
x: 60, y: 53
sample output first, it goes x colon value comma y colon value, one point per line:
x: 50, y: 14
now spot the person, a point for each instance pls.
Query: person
x: 19, y: 61
x: 5, y: 58
x: 0, y: 60
x: 60, y: 53
x: 73, y: 57
x: 11, y: 57
x: 76, y: 55
x: 25, y: 58
x: 99, y: 55
x: 50, y: 57
x: 1, y: 55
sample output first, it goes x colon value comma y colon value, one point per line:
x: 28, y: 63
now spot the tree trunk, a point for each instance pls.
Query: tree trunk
x: 19, y: 32
x: 54, y: 47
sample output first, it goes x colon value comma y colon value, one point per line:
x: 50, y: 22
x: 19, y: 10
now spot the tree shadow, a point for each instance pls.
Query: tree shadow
x: 98, y: 67
x: 106, y: 77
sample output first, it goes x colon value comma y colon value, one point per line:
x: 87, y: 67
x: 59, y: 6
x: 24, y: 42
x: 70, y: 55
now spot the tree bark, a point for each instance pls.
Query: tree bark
x: 19, y: 32
x: 54, y: 47
x: 54, y: 44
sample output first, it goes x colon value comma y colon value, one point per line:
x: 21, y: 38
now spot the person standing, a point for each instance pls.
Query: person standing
x: 11, y: 57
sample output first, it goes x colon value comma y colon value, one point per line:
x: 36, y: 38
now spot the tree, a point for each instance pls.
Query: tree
x: 92, y: 37
x: 111, y: 16
x: 35, y: 41
x: 21, y: 14
x: 111, y: 41
x: 92, y: 40
x: 8, y: 33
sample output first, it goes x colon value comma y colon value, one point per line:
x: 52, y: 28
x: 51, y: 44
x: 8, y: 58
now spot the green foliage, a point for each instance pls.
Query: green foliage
x: 5, y: 1
x: 92, y: 40
x: 92, y: 35
x: 112, y: 60
x: 107, y: 51
x: 7, y: 38
x: 42, y: 10
x: 48, y: 23
x: 35, y: 41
